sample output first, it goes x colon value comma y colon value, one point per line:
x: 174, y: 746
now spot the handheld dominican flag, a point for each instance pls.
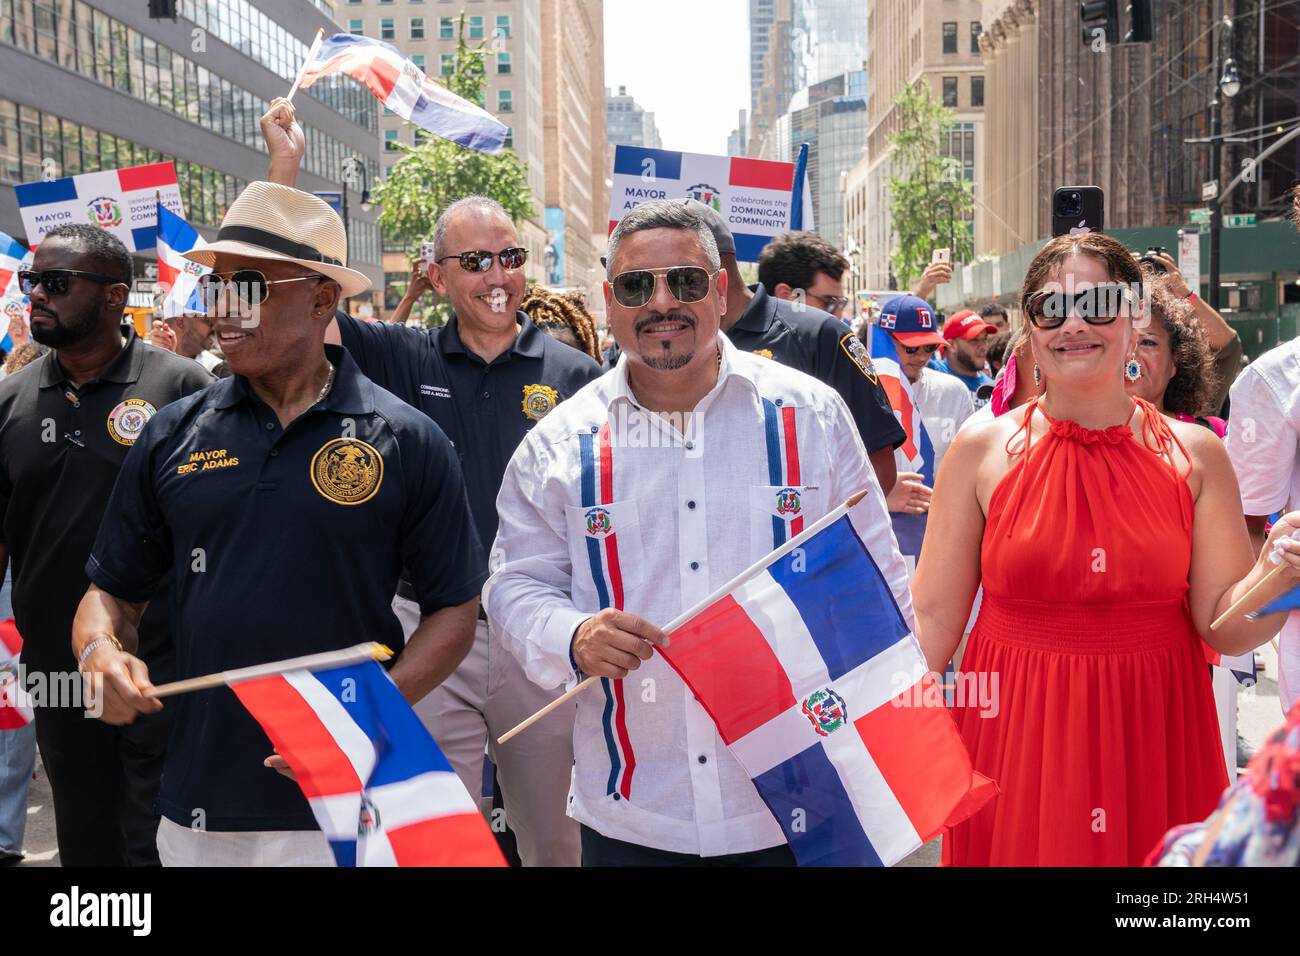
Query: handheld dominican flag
x: 1242, y: 666
x: 123, y: 201
x: 13, y: 304
x: 1287, y: 602
x: 380, y: 788
x: 405, y: 89
x: 178, y: 275
x: 819, y: 689
x: 15, y: 705
x: 917, y: 448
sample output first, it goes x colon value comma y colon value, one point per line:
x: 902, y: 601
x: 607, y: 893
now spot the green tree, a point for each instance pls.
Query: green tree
x: 436, y: 172
x: 921, y: 182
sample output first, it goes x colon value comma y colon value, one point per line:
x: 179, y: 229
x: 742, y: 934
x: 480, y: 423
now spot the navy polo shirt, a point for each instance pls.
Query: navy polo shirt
x: 486, y: 409
x: 278, y: 543
x: 818, y: 344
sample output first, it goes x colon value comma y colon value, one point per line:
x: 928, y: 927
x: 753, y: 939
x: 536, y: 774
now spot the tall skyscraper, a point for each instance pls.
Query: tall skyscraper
x: 627, y: 123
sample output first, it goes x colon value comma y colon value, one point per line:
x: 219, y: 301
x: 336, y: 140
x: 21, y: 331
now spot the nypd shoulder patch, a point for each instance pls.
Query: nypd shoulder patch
x: 857, y: 352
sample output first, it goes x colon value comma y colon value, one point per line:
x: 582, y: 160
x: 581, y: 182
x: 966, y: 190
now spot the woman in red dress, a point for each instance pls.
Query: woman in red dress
x: 1105, y: 537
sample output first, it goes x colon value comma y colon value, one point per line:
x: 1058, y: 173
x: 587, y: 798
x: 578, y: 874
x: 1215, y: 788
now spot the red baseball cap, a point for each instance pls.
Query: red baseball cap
x: 966, y: 325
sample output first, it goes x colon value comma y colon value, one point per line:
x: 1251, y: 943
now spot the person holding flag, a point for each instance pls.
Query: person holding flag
x: 281, y: 504
x: 635, y: 500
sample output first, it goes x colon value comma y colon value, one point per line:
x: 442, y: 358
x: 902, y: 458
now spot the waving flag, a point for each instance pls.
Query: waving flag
x: 1287, y: 602
x: 1242, y: 666
x: 13, y: 256
x: 817, y: 686
x: 405, y: 89
x: 178, y: 275
x: 15, y: 704
x: 380, y: 788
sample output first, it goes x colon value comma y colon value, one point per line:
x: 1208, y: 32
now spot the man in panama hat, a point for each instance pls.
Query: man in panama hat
x: 282, y: 503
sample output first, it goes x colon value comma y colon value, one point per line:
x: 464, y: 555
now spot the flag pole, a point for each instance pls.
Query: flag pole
x: 369, y: 651
x: 796, y: 189
x: 771, y: 558
x: 1249, y: 597
x: 311, y: 51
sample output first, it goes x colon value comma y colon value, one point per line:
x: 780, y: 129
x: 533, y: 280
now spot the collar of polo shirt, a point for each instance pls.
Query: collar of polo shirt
x: 759, y: 313
x: 623, y: 390
x: 124, y: 369
x: 528, y: 343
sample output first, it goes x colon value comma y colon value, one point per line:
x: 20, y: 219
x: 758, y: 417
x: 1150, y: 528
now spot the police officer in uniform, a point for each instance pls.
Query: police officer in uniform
x: 796, y: 328
x: 66, y: 423
x: 282, y: 503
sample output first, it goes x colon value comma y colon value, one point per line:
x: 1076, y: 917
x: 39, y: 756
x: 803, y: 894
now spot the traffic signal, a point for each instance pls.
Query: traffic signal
x: 1139, y: 22
x: 1099, y: 17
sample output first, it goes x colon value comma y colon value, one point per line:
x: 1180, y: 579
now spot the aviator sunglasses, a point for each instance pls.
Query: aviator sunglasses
x: 687, y: 284
x: 1100, y: 305
x: 477, y: 261
x: 248, y: 286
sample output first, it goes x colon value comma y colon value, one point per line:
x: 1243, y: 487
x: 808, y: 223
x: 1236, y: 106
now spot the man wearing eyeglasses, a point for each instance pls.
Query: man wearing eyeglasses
x: 634, y: 501
x: 67, y: 422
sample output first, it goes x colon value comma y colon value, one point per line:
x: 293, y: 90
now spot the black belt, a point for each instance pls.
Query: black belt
x: 405, y: 591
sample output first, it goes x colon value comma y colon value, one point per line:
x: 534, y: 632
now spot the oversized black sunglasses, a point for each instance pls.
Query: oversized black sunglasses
x: 1100, y: 305
x: 687, y: 284
x: 55, y: 281
x: 478, y: 261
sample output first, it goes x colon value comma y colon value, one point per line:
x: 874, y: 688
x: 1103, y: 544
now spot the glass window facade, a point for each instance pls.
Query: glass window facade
x: 100, y: 48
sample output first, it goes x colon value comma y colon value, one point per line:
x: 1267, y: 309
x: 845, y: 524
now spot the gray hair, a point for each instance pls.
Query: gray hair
x: 484, y: 204
x: 663, y: 214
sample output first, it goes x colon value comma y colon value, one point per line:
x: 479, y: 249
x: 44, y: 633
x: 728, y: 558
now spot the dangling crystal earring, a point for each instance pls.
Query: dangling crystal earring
x: 1038, y: 376
x: 1133, y: 370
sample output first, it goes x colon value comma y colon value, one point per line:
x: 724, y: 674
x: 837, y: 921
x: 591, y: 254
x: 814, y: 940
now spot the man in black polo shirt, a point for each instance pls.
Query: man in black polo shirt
x: 486, y: 378
x: 282, y: 503
x: 806, y: 337
x: 66, y: 423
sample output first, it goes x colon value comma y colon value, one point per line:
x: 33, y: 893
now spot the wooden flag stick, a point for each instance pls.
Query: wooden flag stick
x: 370, y: 651
x: 814, y: 528
x: 311, y: 51
x: 1248, y: 598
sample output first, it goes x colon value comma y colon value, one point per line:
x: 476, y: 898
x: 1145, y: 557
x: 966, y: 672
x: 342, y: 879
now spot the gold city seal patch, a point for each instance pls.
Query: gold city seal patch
x: 539, y: 400
x: 127, y: 420
x: 765, y: 353
x: 347, y: 471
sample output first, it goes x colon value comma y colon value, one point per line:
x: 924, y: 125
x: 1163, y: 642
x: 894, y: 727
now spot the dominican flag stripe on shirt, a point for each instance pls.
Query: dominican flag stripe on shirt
x: 814, y: 681
x: 782, y: 437
x: 597, y: 455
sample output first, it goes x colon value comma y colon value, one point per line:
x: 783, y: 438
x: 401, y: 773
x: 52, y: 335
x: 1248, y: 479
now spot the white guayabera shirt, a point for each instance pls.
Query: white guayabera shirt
x: 1264, y: 445
x: 606, y: 504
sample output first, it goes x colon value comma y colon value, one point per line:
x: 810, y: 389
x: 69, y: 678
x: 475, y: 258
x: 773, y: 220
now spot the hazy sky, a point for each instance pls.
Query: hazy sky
x: 687, y: 60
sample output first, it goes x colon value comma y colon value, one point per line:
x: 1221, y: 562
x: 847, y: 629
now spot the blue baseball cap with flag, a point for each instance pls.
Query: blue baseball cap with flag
x: 911, y: 320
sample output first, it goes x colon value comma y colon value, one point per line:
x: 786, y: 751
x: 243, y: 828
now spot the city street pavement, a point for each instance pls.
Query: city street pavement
x: 1258, y: 714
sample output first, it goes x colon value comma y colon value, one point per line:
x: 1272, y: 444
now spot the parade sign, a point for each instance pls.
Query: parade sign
x: 123, y: 201
x: 753, y: 195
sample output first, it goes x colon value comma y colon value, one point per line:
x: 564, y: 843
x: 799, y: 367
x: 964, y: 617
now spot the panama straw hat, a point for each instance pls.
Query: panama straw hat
x: 280, y: 223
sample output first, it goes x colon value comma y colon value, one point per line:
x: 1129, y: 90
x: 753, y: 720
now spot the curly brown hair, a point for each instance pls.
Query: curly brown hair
x: 1191, y: 390
x: 568, y: 311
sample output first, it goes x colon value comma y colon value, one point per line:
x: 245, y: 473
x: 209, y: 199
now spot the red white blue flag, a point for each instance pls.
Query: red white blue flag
x: 13, y: 304
x: 178, y: 277
x: 15, y: 704
x: 380, y: 788
x: 405, y: 89
x: 816, y: 684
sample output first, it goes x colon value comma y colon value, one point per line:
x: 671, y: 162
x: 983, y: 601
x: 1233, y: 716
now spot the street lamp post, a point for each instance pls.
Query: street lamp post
x: 354, y: 168
x: 1227, y: 82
